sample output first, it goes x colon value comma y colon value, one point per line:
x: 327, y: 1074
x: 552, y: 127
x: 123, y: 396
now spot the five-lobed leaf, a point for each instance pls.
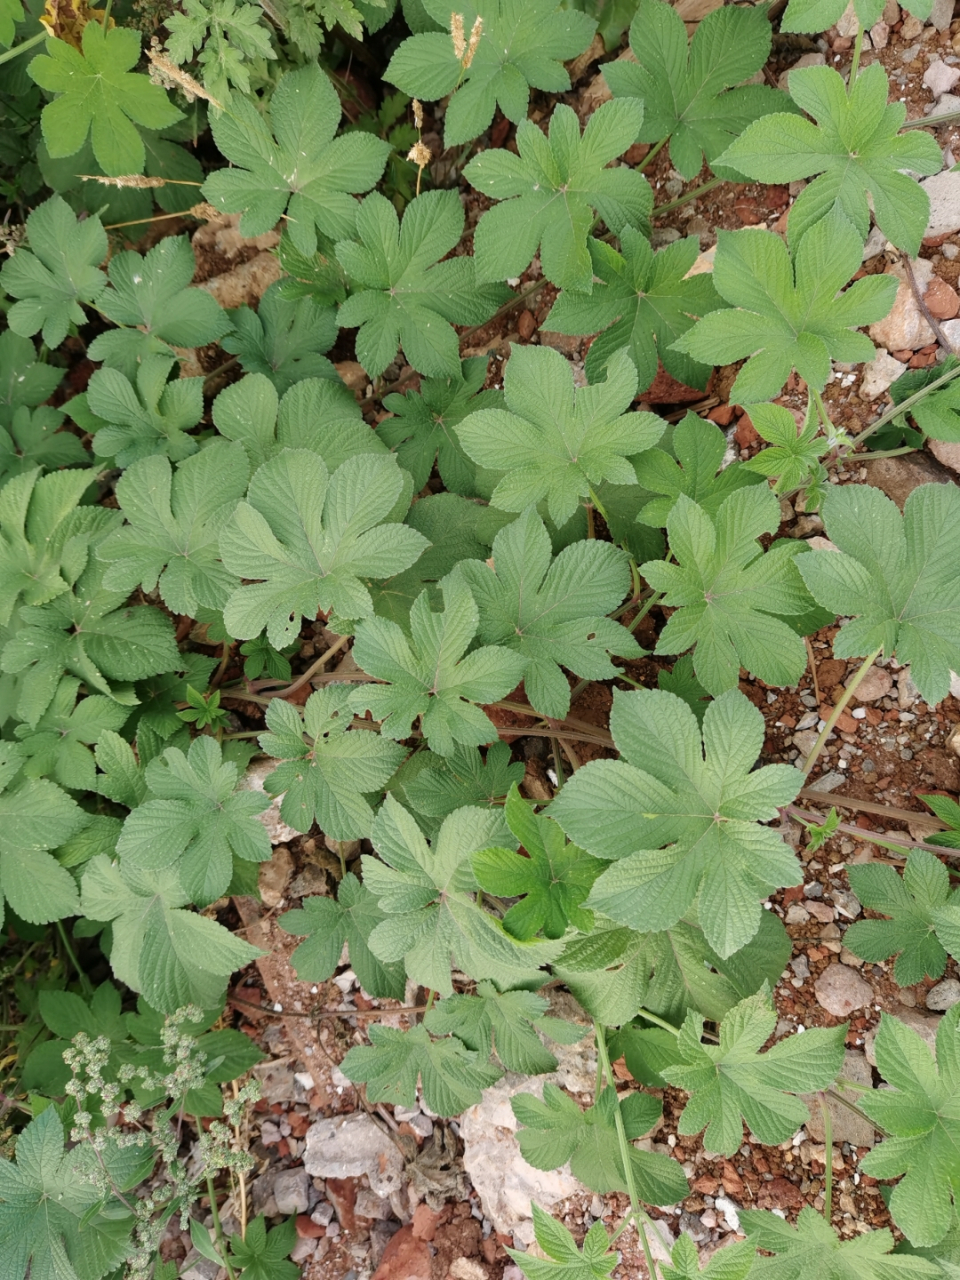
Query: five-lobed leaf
x: 731, y: 596
x: 263, y: 1254
x: 556, y: 440
x: 173, y: 521
x: 101, y: 96
x: 287, y: 160
x: 552, y: 881
x: 732, y: 1081
x: 550, y: 192
x: 329, y: 923
x: 925, y: 917
x: 795, y: 451
x: 788, y: 312
x: 196, y: 822
x: 304, y: 538
x: 431, y: 675
x: 550, y: 610
x: 60, y: 270
x: 145, y: 415
x: 642, y: 302
x: 894, y: 577
x: 560, y: 1258
x: 400, y: 291
x: 522, y: 45
x: 679, y: 815
x: 283, y: 340
x: 855, y: 147
x: 58, y: 744
x: 329, y: 770
x: 426, y: 890
x: 689, y: 96
x: 150, y: 301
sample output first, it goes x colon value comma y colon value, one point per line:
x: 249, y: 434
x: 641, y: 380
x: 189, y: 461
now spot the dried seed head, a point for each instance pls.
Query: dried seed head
x: 475, y: 33
x: 206, y: 212
x: 418, y: 113
x: 126, y: 180
x: 419, y: 153
x: 169, y: 76
x: 459, y: 39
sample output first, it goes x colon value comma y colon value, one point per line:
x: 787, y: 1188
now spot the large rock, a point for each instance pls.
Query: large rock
x: 947, y: 452
x: 898, y: 477
x: 925, y: 1025
x: 350, y: 1146
x: 879, y: 374
x: 944, y: 192
x: 846, y: 1125
x: 840, y: 990
x: 906, y: 328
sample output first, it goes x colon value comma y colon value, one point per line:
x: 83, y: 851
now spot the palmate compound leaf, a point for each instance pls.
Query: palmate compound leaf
x: 642, y: 302
x: 44, y: 534
x: 329, y: 923
x: 60, y: 270
x: 150, y: 301
x: 90, y: 633
x: 195, y: 822
x: 428, y: 676
x: 732, y: 1262
x: 171, y: 955
x: 550, y: 193
x: 330, y: 771
x: 224, y: 34
x: 452, y: 1077
x: 552, y: 881
x: 315, y: 413
x: 263, y: 1254
x: 304, y: 538
x: 694, y: 468
x: 446, y: 783
x: 173, y: 522
x: 100, y: 95
x: 679, y: 816
x: 732, y: 596
x: 947, y: 811
x: 422, y: 430
x: 895, y: 577
x: 287, y: 160
x: 25, y: 381
x: 788, y: 311
x: 795, y: 451
x: 35, y: 817
x: 33, y: 438
x: 613, y: 970
x: 54, y: 1223
x: 284, y: 339
x: 921, y: 1113
x: 427, y: 893
x: 732, y: 1081
x: 562, y: 1259
x: 400, y: 291
x: 556, y: 1131
x: 688, y: 96
x: 149, y: 418
x: 936, y: 415
x: 811, y: 1248
x: 508, y: 1021
x: 59, y: 744
x: 556, y: 441
x: 925, y: 916
x: 855, y: 147
x: 552, y: 611
x: 522, y: 45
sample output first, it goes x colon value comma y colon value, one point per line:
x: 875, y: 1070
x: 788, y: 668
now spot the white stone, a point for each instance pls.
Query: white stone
x: 848, y: 24
x: 876, y: 684
x: 807, y: 60
x: 253, y: 779
x: 291, y: 1190
x: 939, y: 78
x: 840, y: 990
x: 703, y: 263
x: 942, y: 14
x: 880, y: 35
x: 942, y: 107
x: 876, y: 242
x: 947, y: 452
x: 944, y: 995
x: 350, y: 1146
x: 879, y: 374
x: 944, y: 192
x: 905, y: 328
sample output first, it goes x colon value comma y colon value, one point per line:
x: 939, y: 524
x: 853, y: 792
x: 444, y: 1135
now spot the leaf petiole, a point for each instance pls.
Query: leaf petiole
x: 839, y: 709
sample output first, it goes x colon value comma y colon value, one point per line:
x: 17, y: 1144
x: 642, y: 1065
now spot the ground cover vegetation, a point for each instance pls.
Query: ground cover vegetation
x: 167, y: 542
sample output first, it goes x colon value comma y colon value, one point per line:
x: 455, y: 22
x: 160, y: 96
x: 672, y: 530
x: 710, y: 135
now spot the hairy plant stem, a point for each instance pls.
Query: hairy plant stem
x: 85, y: 983
x: 828, y: 1145
x: 895, y: 843
x: 311, y: 671
x: 657, y: 1020
x: 218, y: 1227
x: 839, y: 709
x: 884, y: 453
x: 702, y: 190
x: 22, y: 48
x: 654, y: 150
x: 639, y: 1217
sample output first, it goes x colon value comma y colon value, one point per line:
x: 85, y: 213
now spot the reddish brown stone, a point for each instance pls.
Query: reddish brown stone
x: 633, y: 155
x: 746, y: 433
x: 830, y: 672
x: 342, y: 1194
x: 405, y: 1258
x: 526, y: 325
x: 665, y: 389
x: 779, y: 1193
x: 425, y: 1222
x: 943, y: 301
x: 722, y: 415
x: 307, y: 1229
